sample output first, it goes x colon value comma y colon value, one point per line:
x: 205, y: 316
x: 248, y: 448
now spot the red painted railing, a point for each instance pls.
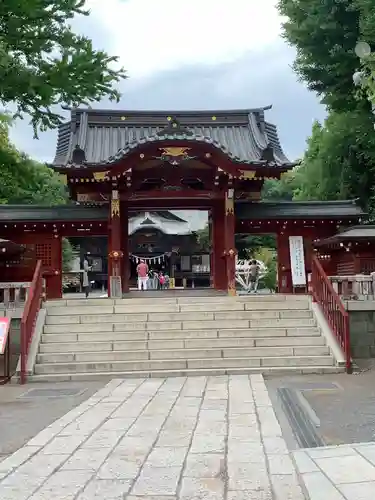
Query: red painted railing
x: 29, y: 316
x: 332, y: 307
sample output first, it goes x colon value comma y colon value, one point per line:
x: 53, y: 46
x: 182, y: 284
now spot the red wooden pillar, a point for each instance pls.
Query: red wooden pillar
x: 218, y: 246
x: 125, y: 246
x: 212, y: 260
x: 283, y: 264
x: 230, y: 245
x: 115, y: 257
x: 53, y: 275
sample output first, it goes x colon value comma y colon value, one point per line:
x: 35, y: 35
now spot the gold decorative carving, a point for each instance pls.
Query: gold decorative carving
x: 100, y: 176
x: 115, y: 208
x: 229, y: 206
x: 174, y: 151
x: 232, y: 288
x: 169, y: 118
x: 214, y: 118
x: 116, y: 254
x: 247, y: 174
x: 123, y: 118
x: 64, y: 179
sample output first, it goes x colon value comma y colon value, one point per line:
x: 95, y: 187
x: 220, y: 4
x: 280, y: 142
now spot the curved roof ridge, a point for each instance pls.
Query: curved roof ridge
x: 260, y: 139
x: 160, y: 138
x: 186, y: 112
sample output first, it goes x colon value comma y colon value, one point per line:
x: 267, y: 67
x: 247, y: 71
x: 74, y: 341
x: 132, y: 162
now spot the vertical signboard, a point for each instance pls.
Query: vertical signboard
x: 4, y: 332
x: 297, y: 261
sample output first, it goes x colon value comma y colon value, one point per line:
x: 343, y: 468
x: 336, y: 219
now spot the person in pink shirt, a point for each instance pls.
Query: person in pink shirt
x: 142, y: 272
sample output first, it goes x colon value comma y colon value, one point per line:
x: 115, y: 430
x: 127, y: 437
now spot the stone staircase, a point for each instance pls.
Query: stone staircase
x: 180, y: 336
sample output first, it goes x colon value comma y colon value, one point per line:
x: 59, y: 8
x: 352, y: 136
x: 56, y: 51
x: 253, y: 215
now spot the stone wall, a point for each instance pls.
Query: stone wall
x: 362, y: 327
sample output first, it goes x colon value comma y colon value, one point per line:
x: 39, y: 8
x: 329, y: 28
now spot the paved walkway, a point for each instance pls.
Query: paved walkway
x: 159, y: 439
x: 345, y: 472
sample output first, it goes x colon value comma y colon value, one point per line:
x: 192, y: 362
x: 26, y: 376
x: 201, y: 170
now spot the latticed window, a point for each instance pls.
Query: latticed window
x: 43, y: 252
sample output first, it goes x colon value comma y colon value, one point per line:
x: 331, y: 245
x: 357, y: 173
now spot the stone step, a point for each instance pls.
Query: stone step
x: 176, y: 300
x: 202, y: 306
x: 177, y: 316
x: 267, y: 371
x: 173, y: 364
x: 68, y: 347
x: 180, y: 334
x: 179, y: 325
x: 185, y: 354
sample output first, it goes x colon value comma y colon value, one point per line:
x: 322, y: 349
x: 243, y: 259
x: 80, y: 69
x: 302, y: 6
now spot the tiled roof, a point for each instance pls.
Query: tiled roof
x: 36, y: 213
x: 244, y: 210
x: 298, y: 209
x: 365, y: 232
x: 105, y: 136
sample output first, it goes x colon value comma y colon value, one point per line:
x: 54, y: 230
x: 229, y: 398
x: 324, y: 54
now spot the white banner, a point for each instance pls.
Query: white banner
x: 297, y: 260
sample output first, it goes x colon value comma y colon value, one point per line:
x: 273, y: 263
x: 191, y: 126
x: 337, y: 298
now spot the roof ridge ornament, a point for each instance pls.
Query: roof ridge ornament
x: 78, y: 155
x: 268, y: 154
x: 174, y: 127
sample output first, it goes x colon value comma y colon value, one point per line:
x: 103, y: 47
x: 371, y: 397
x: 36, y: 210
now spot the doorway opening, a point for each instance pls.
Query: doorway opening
x: 175, y: 243
x: 263, y: 249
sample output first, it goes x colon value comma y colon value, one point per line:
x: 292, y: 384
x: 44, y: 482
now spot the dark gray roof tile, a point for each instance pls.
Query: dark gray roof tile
x: 105, y: 136
x: 244, y: 210
x: 298, y: 209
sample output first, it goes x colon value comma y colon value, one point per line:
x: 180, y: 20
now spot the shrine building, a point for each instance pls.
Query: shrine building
x: 120, y: 164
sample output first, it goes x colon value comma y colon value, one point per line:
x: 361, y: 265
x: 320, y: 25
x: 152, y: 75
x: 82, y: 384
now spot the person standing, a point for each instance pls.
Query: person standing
x: 142, y: 272
x: 85, y: 280
x: 254, y: 270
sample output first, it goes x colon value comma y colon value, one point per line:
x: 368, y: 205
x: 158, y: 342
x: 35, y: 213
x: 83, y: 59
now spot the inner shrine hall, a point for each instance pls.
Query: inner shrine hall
x: 116, y: 163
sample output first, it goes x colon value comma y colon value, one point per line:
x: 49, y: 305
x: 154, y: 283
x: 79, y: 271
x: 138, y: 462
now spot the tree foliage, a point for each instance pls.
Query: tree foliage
x: 325, y: 33
x: 23, y: 180
x: 339, y: 162
x: 68, y: 254
x: 44, y: 63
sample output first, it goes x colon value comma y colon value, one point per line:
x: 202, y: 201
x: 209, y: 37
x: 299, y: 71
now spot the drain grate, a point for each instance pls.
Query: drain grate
x: 303, y: 427
x: 52, y: 393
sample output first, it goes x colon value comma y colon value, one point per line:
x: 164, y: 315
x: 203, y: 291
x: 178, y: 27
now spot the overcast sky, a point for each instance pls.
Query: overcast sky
x: 196, y: 54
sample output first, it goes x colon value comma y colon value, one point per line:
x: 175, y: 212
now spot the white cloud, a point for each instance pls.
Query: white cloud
x: 150, y: 36
x: 195, y: 54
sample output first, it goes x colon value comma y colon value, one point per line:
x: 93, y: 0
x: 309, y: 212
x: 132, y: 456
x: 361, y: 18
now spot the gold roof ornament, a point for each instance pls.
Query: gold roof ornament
x: 247, y: 174
x: 100, y: 176
x: 174, y: 151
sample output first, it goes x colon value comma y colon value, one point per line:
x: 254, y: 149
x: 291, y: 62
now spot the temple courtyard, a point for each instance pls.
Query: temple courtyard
x: 166, y: 439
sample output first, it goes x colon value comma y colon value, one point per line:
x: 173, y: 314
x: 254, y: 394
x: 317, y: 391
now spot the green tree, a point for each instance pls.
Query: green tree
x: 247, y: 246
x: 68, y: 253
x: 203, y: 239
x: 269, y: 257
x: 325, y: 34
x: 44, y: 63
x: 279, y: 190
x: 339, y: 162
x: 23, y: 180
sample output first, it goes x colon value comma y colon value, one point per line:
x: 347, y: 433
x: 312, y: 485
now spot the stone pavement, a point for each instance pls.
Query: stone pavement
x: 196, y: 438
x: 345, y: 472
